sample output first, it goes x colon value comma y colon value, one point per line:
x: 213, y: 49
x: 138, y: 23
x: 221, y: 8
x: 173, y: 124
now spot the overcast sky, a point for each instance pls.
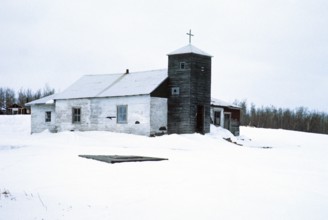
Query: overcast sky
x: 270, y: 52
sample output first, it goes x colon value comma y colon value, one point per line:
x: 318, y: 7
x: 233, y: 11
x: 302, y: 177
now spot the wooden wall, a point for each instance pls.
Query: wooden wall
x: 194, y: 83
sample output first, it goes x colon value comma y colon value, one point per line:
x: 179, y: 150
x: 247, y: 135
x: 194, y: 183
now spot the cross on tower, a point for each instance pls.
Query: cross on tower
x: 190, y: 35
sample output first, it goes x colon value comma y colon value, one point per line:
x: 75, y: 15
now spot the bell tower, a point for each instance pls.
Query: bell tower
x: 189, y: 73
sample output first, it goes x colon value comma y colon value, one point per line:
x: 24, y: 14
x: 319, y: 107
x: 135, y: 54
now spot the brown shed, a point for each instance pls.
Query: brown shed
x: 16, y: 109
x: 226, y: 115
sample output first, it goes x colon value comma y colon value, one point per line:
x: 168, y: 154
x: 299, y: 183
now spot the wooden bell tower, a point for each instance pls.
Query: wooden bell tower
x: 189, y: 72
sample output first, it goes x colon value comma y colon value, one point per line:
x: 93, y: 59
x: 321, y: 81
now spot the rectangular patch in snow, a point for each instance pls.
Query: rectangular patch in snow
x: 121, y: 159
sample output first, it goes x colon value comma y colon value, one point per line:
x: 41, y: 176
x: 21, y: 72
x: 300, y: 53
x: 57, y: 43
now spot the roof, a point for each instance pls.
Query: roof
x: 45, y: 100
x: 15, y: 106
x: 189, y: 49
x: 110, y: 85
x: 221, y: 103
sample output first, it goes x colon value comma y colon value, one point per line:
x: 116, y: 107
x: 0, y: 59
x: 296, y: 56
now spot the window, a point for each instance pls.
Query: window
x: 48, y: 117
x: 175, y: 91
x: 202, y: 69
x: 217, y: 118
x: 76, y: 113
x: 182, y: 65
x: 122, y: 114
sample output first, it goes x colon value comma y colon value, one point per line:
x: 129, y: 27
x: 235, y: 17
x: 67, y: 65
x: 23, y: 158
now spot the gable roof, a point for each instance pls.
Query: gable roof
x: 189, y: 49
x: 14, y: 106
x: 221, y: 103
x: 110, y: 85
x: 45, y: 100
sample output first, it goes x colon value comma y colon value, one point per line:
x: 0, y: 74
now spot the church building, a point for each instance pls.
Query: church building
x: 174, y: 100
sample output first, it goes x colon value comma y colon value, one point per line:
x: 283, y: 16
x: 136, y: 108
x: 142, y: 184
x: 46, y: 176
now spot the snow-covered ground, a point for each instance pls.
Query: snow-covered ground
x: 276, y: 174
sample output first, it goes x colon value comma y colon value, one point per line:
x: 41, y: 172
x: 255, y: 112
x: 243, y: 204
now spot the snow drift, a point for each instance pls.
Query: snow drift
x: 276, y: 174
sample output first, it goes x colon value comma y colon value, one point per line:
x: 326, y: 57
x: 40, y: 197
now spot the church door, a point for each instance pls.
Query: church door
x: 227, y: 120
x: 200, y: 119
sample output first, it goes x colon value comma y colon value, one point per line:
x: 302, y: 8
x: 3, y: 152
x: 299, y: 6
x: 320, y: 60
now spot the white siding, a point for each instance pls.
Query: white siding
x: 38, y: 123
x: 158, y: 115
x: 64, y: 114
x: 100, y: 114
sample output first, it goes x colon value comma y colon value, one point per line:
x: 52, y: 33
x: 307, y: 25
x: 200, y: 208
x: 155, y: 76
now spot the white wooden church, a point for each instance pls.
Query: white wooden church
x: 173, y: 100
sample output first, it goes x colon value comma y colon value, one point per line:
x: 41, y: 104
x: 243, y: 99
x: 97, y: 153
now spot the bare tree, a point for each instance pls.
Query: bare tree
x: 9, y: 97
x: 300, y: 119
x: 47, y: 91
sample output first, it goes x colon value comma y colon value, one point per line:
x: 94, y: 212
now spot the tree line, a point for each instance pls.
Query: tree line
x: 298, y: 119
x: 9, y: 96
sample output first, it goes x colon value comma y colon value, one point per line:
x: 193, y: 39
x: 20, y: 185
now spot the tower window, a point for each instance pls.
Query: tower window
x: 202, y: 69
x: 182, y: 65
x: 175, y: 91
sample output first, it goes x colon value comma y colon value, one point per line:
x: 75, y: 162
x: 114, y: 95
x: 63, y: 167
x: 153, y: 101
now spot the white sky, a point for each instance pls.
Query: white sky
x: 269, y: 52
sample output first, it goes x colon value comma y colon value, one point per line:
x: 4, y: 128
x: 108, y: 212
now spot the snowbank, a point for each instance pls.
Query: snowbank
x: 205, y: 177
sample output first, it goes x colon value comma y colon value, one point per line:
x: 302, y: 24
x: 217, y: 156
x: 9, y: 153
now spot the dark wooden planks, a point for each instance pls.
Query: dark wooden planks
x: 121, y: 159
x: 194, y: 83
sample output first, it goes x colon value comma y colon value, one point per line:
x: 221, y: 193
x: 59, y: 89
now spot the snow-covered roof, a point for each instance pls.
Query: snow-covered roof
x: 221, y: 103
x: 189, y: 49
x: 45, y: 100
x: 110, y: 85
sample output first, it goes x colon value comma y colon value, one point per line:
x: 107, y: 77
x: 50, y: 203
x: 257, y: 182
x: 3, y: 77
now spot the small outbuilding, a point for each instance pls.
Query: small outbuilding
x: 226, y: 115
x: 16, y: 109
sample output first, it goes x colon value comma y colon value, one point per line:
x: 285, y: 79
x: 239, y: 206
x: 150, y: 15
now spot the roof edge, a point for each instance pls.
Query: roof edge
x: 47, y: 100
x: 189, y: 49
x: 221, y: 103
